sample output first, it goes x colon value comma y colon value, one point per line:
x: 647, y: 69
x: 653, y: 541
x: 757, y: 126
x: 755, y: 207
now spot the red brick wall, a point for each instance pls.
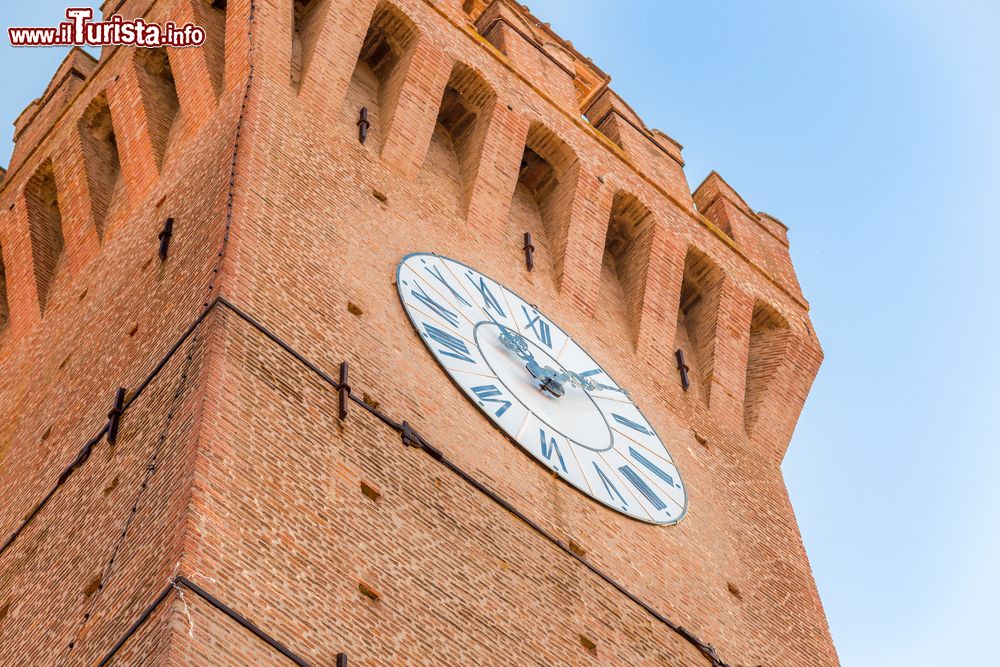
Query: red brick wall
x: 257, y: 490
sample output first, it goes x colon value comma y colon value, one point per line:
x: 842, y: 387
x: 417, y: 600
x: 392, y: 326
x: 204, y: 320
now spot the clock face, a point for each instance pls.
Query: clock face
x: 533, y: 381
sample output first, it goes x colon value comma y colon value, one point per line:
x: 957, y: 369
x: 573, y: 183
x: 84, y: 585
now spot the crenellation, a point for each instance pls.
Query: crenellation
x: 45, y: 223
x: 400, y: 68
x: 761, y: 237
x: 308, y: 18
x: 97, y: 164
x: 774, y: 227
x: 25, y: 117
x: 464, y: 118
x: 627, y: 247
x: 37, y: 119
x: 158, y: 92
x: 718, y: 201
x: 608, y: 110
x: 504, y: 26
x: 210, y: 58
x: 774, y: 246
x: 653, y: 150
x: 100, y: 156
x: 548, y: 178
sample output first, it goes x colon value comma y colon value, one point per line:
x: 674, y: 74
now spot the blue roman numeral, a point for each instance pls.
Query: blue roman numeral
x: 550, y: 446
x: 644, y: 489
x: 449, y: 315
x: 488, y: 297
x: 625, y: 421
x: 436, y: 272
x: 541, y: 328
x: 609, y: 487
x: 488, y: 394
x: 455, y: 347
x: 652, y: 467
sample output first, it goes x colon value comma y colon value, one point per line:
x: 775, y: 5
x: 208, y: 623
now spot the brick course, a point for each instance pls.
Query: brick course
x: 258, y: 492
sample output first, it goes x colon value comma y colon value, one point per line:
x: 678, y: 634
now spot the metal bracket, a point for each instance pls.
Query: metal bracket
x: 706, y: 649
x: 168, y: 231
x: 363, y: 125
x: 115, y: 415
x: 529, y: 251
x: 410, y: 437
x: 413, y: 439
x: 343, y: 393
x: 683, y: 368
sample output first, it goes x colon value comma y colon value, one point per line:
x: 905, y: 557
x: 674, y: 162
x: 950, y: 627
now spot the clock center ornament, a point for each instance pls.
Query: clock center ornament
x: 540, y: 388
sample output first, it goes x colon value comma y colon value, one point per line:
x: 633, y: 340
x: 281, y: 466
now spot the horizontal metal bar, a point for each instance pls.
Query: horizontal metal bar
x: 181, y: 580
x: 242, y: 620
x: 139, y: 622
x: 80, y: 459
x: 274, y: 338
x: 171, y: 352
x: 84, y: 454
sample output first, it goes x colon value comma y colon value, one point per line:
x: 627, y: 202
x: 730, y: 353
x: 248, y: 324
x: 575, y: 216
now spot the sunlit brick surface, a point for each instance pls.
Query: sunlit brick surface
x: 257, y: 491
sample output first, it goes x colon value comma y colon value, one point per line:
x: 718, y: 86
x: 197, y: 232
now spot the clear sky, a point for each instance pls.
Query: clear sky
x: 871, y: 128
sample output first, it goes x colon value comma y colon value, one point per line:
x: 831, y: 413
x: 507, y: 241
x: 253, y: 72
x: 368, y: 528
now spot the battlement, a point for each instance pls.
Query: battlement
x: 632, y: 177
x: 763, y: 237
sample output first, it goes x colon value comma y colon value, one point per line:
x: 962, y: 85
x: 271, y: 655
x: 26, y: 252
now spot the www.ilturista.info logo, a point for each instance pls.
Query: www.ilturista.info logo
x: 79, y: 30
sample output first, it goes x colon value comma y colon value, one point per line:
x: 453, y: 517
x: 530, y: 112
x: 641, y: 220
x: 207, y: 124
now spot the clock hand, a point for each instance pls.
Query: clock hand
x: 585, y: 383
x: 516, y: 343
x: 545, y: 378
x: 575, y: 379
x: 598, y: 385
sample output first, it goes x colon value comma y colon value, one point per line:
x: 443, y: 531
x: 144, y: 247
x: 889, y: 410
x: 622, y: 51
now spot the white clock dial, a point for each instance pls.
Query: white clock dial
x: 542, y: 389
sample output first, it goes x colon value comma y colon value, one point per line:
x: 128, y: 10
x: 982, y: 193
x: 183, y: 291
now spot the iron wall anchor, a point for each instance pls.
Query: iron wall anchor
x: 363, y: 125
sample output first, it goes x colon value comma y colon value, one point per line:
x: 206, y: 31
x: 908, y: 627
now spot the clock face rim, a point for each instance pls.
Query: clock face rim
x: 416, y: 328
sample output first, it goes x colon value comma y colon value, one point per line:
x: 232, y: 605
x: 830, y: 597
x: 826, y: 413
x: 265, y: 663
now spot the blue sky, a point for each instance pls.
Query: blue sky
x: 871, y: 128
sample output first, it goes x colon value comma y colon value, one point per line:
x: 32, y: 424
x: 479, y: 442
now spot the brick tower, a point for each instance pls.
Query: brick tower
x: 241, y: 501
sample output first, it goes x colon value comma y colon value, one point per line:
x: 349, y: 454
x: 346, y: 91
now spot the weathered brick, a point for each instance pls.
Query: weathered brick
x: 332, y: 536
